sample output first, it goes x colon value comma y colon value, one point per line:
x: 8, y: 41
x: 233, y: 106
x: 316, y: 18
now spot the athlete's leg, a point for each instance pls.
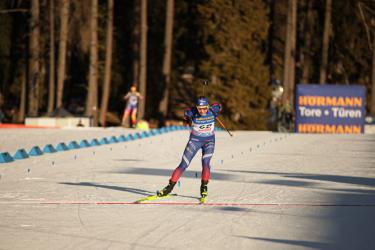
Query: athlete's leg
x: 125, y: 117
x: 134, y: 117
x: 191, y: 149
x: 207, y: 152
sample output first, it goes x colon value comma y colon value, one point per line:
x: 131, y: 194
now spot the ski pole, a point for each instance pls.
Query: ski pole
x: 223, y: 126
x: 205, y: 83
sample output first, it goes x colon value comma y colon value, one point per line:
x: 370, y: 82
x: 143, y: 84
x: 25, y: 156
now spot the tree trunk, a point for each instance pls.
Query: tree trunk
x: 372, y: 107
x: 22, y: 107
x: 92, y: 95
x: 42, y: 82
x: 34, y: 51
x: 51, y: 89
x: 10, y: 66
x: 62, y: 51
x: 108, y: 64
x: 143, y: 59
x: 307, y: 44
x: 326, y: 35
x: 168, y: 40
x: 290, y: 50
x: 135, y: 41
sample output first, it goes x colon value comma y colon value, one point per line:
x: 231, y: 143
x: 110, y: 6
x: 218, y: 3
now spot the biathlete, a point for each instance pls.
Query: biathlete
x: 202, y: 136
x: 132, y: 98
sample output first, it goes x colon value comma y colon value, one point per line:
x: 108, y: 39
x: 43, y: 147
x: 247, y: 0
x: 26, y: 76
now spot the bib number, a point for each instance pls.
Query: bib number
x: 205, y: 126
x: 204, y: 129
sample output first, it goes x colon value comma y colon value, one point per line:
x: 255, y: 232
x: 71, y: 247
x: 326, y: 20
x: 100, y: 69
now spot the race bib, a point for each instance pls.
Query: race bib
x: 133, y: 99
x: 203, y: 129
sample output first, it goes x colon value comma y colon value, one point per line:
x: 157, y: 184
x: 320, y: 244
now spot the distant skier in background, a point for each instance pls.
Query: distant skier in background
x: 132, y: 98
x: 286, y: 118
x: 202, y: 136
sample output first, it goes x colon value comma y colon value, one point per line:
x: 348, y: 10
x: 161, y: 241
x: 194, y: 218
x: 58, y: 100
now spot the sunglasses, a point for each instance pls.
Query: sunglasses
x: 202, y: 108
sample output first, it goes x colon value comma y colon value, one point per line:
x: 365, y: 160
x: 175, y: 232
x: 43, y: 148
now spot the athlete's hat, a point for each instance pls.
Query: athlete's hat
x: 201, y: 102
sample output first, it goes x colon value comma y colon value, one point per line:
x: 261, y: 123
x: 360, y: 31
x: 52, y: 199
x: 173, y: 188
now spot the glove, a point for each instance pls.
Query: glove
x: 188, y: 114
x: 216, y: 108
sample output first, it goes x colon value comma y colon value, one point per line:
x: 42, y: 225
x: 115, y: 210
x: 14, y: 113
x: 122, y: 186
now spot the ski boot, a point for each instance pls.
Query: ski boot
x: 203, y: 191
x: 167, y: 190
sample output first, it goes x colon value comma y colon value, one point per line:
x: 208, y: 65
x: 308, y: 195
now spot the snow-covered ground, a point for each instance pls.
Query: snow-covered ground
x: 268, y: 191
x: 13, y: 139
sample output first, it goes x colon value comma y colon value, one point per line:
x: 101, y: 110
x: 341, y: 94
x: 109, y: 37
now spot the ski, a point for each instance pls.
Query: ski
x: 152, y: 197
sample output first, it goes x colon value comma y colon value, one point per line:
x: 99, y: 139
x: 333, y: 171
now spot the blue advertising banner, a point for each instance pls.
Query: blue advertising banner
x: 336, y: 109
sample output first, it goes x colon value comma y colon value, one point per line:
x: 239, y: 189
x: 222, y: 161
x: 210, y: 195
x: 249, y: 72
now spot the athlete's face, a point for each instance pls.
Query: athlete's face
x: 202, y: 110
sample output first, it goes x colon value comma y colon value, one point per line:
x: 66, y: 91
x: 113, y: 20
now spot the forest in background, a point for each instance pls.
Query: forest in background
x: 83, y: 56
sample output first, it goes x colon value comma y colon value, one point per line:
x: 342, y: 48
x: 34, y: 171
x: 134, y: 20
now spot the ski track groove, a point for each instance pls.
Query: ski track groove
x: 74, y: 236
x: 136, y: 242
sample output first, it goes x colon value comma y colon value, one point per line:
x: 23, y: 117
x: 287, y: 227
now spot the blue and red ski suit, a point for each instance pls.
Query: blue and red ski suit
x: 202, y: 136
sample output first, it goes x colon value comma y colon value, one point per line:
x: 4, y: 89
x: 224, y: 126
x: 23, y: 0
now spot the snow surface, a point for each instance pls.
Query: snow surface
x: 268, y: 191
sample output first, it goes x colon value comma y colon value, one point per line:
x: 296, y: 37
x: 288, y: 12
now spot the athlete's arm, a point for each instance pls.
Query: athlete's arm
x: 127, y: 96
x: 140, y: 96
x: 216, y: 108
x: 188, y: 113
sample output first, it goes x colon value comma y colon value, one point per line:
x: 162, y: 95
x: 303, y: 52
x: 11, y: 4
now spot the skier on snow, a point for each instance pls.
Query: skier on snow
x: 132, y: 98
x: 202, y: 136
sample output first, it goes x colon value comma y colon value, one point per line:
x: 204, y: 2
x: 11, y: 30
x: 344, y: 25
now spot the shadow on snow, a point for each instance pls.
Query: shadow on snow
x: 168, y: 172
x: 96, y: 185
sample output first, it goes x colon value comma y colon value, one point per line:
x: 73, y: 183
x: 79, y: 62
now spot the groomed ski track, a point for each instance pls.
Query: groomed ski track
x: 267, y: 191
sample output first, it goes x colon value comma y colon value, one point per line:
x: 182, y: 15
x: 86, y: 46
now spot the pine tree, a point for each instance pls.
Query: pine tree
x: 51, y: 82
x: 233, y: 33
x: 326, y: 37
x: 350, y: 54
x: 64, y: 16
x: 167, y: 62
x: 34, y: 60
x: 92, y: 94
x: 143, y: 60
x: 108, y: 64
